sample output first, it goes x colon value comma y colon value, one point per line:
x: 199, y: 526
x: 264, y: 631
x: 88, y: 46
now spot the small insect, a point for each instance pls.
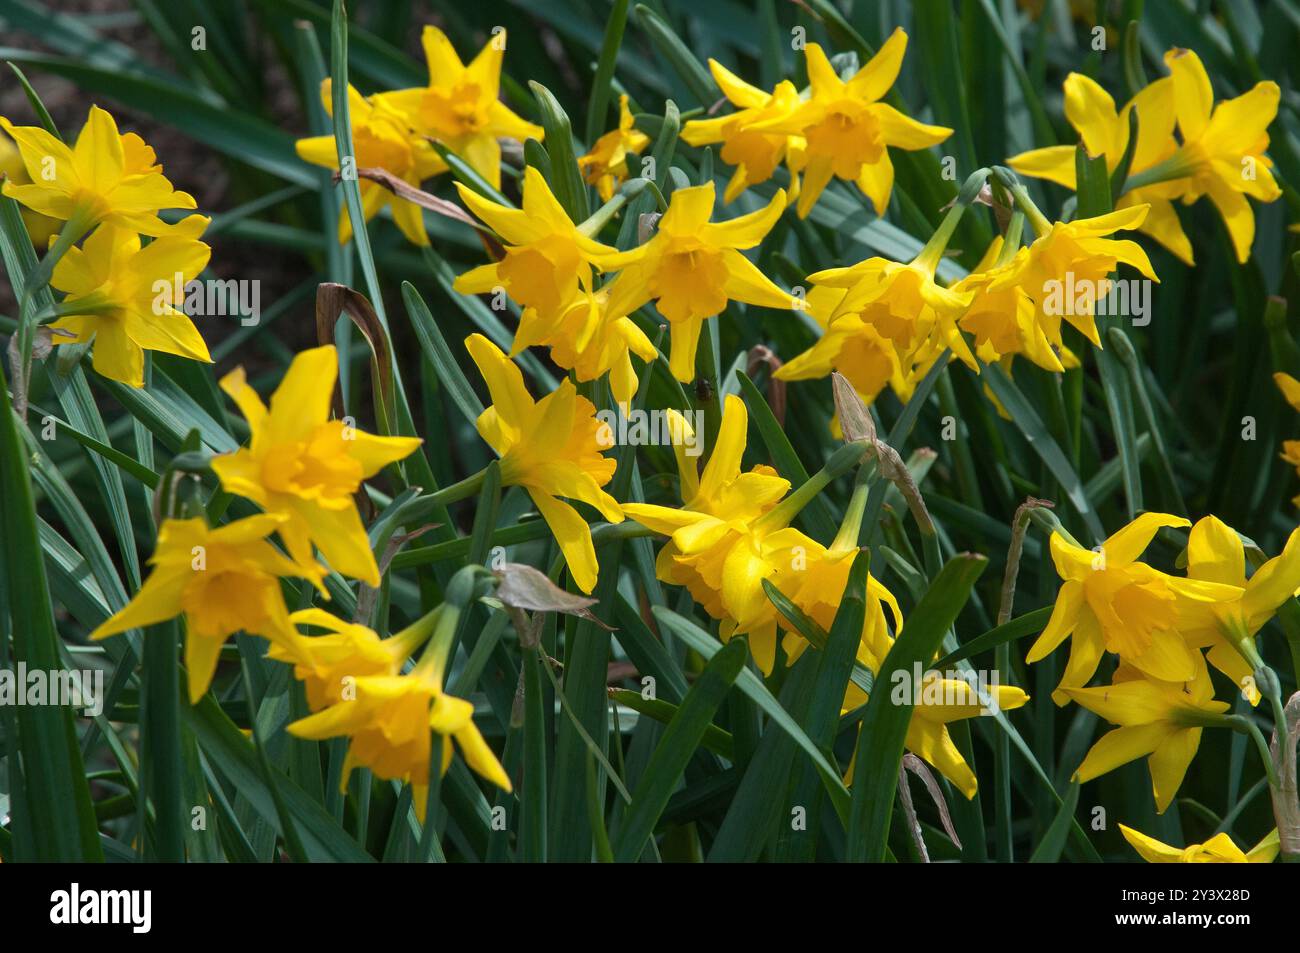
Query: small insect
x: 703, y: 389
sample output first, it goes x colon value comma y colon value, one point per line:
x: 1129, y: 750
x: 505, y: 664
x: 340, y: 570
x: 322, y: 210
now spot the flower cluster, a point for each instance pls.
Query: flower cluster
x: 1162, y: 630
x: 123, y: 295
x: 396, y: 130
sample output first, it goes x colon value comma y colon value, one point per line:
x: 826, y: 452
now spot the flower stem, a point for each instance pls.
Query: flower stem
x: 841, y: 461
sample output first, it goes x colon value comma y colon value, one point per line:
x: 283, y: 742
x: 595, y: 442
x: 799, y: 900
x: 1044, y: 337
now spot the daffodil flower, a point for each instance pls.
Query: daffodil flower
x: 605, y: 166
x: 304, y: 467
x: 1290, y: 388
x: 460, y: 105
x: 222, y: 580
x: 1223, y: 146
x: 126, y: 297
x: 1075, y: 254
x: 388, y: 725
x: 547, y: 259
x: 755, y: 154
x: 814, y: 578
x: 733, y: 532
x: 1005, y: 322
x: 327, y: 664
x: 585, y: 339
x: 890, y: 323
x: 850, y: 345
x: 381, y: 138
x: 104, y: 177
x: 1291, y: 454
x: 719, y: 507
x: 692, y: 267
x: 927, y: 733
x: 1105, y: 132
x: 551, y: 448
x: 1227, y: 626
x: 1158, y: 720
x: 41, y: 228
x: 847, y: 131
x: 1219, y: 849
x: 1111, y: 602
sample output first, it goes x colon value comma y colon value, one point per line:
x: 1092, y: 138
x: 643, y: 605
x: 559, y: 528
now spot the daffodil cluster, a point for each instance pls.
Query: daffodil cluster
x: 1218, y: 151
x: 121, y: 293
x: 690, y: 269
x: 459, y: 108
x: 1161, y: 629
x: 837, y: 128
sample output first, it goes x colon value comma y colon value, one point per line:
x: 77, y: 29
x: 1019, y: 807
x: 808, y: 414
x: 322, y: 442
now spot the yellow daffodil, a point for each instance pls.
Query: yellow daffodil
x: 223, y: 581
x: 814, y: 578
x: 847, y: 131
x: 713, y: 549
x: 585, y: 339
x: 1290, y: 388
x: 754, y: 154
x: 551, y: 448
x: 850, y: 345
x: 927, y: 733
x: 605, y: 166
x: 304, y: 467
x: 131, y: 295
x: 1227, y: 626
x: 547, y: 259
x: 328, y: 665
x: 890, y: 324
x: 40, y: 227
x: 1219, y: 849
x: 104, y: 177
x: 1105, y: 132
x: 388, y: 724
x: 692, y: 267
x: 460, y: 105
x: 1158, y: 720
x: 1223, y: 146
x: 1111, y: 602
x: 1004, y: 322
x: 1074, y: 258
x: 1291, y: 454
x: 382, y: 139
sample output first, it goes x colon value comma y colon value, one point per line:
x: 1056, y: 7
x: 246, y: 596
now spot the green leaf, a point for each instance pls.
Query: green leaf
x: 1048, y: 450
x: 884, y: 727
x: 439, y: 355
x: 675, y: 749
x: 1053, y: 842
x: 1027, y: 624
x: 598, y: 106
x: 566, y: 179
x: 752, y: 686
x: 54, y: 808
x: 680, y: 59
